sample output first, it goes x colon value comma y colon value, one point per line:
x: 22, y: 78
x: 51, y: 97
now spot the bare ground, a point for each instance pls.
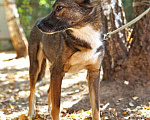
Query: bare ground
x: 120, y: 100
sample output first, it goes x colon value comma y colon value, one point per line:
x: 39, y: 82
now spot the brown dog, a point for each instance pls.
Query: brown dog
x: 71, y: 38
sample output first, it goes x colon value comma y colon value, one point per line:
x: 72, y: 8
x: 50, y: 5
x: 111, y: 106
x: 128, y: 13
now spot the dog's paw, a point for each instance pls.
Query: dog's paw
x: 29, y: 118
x: 31, y: 114
x: 49, y: 109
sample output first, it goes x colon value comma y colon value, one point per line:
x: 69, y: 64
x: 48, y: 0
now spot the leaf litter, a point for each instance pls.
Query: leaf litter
x: 14, y: 93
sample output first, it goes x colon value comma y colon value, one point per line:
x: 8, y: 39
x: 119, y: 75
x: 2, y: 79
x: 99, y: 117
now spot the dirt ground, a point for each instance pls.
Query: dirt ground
x: 120, y: 100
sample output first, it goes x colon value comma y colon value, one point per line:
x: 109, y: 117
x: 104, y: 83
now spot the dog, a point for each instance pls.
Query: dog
x: 71, y: 39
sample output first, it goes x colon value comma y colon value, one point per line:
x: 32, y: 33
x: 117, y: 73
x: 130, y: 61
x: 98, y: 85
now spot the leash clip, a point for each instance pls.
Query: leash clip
x: 105, y: 36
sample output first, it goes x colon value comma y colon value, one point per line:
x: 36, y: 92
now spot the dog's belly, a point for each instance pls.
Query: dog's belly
x: 85, y: 63
x: 76, y: 68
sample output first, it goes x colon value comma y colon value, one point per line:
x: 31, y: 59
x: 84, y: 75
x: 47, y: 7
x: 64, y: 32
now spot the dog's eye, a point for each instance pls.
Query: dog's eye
x: 59, y: 8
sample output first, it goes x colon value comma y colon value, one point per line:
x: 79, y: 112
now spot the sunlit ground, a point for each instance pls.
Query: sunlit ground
x: 75, y: 105
x: 14, y: 87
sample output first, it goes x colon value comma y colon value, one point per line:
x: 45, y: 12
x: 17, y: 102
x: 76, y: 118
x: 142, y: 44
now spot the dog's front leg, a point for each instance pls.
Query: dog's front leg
x: 54, y: 92
x: 93, y: 78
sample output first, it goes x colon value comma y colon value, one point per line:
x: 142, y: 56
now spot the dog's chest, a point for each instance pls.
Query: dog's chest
x: 89, y: 35
x: 85, y: 57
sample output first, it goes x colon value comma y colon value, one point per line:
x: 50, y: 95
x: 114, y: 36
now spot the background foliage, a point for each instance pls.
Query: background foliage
x: 127, y: 4
x: 31, y: 10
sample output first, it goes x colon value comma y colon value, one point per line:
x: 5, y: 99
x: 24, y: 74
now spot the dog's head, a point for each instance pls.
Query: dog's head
x: 66, y: 14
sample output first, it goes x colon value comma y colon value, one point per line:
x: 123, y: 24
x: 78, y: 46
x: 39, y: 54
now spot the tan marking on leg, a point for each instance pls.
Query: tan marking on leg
x: 32, y: 100
x: 33, y: 79
x: 49, y: 99
x: 40, y: 56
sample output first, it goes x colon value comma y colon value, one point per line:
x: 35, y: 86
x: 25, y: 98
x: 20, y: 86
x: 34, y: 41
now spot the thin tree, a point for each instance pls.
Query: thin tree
x: 16, y: 32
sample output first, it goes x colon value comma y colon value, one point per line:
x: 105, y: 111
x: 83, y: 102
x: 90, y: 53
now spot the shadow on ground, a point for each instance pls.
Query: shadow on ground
x: 119, y: 100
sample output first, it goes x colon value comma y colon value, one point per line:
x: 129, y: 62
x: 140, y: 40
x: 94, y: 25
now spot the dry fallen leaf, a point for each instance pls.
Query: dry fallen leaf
x: 73, y: 115
x: 125, y: 113
x: 23, y: 117
x: 135, y: 98
x: 14, y: 89
x: 131, y: 104
x: 147, y: 108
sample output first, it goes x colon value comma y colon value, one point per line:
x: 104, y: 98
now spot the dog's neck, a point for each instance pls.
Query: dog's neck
x: 88, y: 34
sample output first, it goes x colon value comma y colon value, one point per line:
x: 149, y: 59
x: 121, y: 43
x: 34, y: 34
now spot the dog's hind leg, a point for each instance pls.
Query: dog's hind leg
x: 42, y: 71
x: 93, y: 78
x: 36, y: 60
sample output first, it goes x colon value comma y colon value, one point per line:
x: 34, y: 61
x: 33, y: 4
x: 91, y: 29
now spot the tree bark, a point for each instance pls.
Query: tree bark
x: 116, y: 50
x: 139, y: 54
x: 16, y: 32
x: 123, y: 62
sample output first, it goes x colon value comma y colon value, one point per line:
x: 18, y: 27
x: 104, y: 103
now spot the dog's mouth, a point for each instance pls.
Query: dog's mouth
x: 47, y: 31
x: 50, y: 28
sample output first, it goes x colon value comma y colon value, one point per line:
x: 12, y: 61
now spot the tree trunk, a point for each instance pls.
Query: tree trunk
x: 139, y: 54
x: 123, y: 62
x: 16, y: 32
x: 116, y: 45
